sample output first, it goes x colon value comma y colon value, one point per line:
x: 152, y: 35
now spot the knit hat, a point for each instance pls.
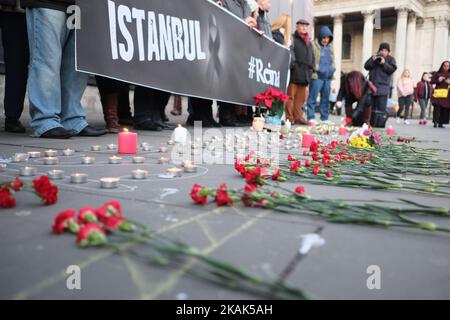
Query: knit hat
x: 386, y: 46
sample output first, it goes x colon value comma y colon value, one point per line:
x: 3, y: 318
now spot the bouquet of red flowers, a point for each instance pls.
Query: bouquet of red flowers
x: 271, y: 100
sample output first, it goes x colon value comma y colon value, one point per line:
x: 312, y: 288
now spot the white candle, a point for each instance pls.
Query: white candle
x: 109, y: 183
x: 51, y: 153
x: 164, y: 160
x: 68, y: 152
x: 28, y: 171
x: 138, y: 159
x: 111, y: 146
x: 146, y: 148
x: 176, y: 172
x: 180, y: 134
x: 87, y: 160
x: 190, y: 168
x: 2, y: 167
x: 34, y: 154
x: 115, y: 160
x: 20, y: 157
x: 78, y: 178
x: 96, y: 148
x: 51, y: 161
x: 55, y: 174
x: 140, y: 174
x: 163, y: 149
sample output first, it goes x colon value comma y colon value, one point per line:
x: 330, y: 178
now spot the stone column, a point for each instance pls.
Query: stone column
x: 338, y: 30
x: 440, y: 48
x: 367, y: 51
x: 400, y: 45
x: 411, y: 42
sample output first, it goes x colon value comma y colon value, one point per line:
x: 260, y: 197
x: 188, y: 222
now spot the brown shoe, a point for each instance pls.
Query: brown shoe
x: 109, y: 104
x: 301, y: 121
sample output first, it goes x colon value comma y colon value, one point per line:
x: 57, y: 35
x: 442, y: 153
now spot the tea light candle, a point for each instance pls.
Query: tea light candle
x: 390, y: 131
x: 96, y: 148
x: 2, y: 167
x: 190, y: 168
x: 55, y: 174
x: 163, y: 160
x: 163, y: 149
x: 180, y: 134
x: 307, y: 140
x: 87, y: 160
x: 186, y: 163
x: 51, y: 153
x: 176, y: 172
x: 342, y: 131
x: 68, y: 152
x: 111, y: 146
x: 170, y: 142
x: 28, y: 171
x: 78, y: 178
x: 138, y: 159
x: 109, y: 183
x: 20, y: 157
x: 115, y: 160
x: 51, y: 161
x: 140, y: 174
x: 144, y: 144
x: 128, y: 142
x: 34, y: 154
x: 146, y: 148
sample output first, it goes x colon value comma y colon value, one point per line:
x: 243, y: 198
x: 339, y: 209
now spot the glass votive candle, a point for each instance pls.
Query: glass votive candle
x: 139, y: 174
x: 190, y: 168
x: 78, y: 178
x: 20, y: 157
x: 109, y: 183
x: 51, y: 153
x: 111, y: 146
x: 28, y: 171
x: 55, y: 174
x: 96, y: 148
x: 164, y: 160
x: 115, y: 160
x: 51, y: 161
x: 175, y: 172
x: 87, y: 160
x: 68, y: 152
x: 34, y: 154
x: 138, y: 159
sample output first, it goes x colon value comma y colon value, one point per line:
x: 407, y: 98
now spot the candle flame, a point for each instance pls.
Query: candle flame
x: 125, y: 130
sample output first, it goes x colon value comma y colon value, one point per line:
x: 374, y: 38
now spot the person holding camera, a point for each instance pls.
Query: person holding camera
x: 381, y: 67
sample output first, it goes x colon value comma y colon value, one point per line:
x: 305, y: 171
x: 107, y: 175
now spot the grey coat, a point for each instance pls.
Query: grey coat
x: 239, y: 8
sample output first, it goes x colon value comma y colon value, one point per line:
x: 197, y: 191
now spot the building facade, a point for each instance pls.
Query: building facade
x: 417, y: 30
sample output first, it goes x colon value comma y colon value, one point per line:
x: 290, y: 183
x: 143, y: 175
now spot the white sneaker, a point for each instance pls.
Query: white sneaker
x: 407, y: 122
x: 398, y: 120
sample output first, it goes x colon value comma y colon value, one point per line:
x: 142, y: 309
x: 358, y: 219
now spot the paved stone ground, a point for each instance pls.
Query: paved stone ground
x: 414, y: 264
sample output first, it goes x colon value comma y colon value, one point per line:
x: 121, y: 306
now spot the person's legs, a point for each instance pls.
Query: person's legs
x: 292, y: 91
x: 401, y: 104
x: 144, y: 108
x: 408, y: 107
x: 109, y: 95
x: 423, y: 109
x: 16, y: 55
x: 325, y: 100
x: 46, y: 30
x: 299, y: 101
x: 315, y: 89
x: 124, y: 108
x: 176, y: 110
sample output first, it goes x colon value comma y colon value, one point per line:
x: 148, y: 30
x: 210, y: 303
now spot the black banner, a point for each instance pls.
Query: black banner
x: 192, y: 48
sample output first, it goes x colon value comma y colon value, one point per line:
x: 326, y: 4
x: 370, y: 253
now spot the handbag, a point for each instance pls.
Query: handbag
x: 378, y: 119
x: 441, y: 93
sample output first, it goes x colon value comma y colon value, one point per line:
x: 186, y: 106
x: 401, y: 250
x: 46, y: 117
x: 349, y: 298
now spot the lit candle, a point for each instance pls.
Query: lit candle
x: 186, y: 163
x: 138, y: 159
x: 128, y: 142
x: 140, y: 174
x: 78, y: 178
x: 51, y: 161
x: 164, y: 160
x: 176, y: 172
x: 51, y: 153
x: 190, y: 168
x: 2, y: 167
x: 96, y: 148
x: 55, y: 174
x: 163, y: 149
x: 146, y: 148
x: 144, y: 144
x: 34, y: 154
x: 20, y: 157
x: 115, y: 160
x: 87, y: 160
x: 170, y: 142
x: 342, y: 131
x: 109, y: 183
x: 180, y: 134
x: 307, y: 140
x: 390, y: 131
x: 28, y: 171
x: 68, y: 152
x: 111, y: 146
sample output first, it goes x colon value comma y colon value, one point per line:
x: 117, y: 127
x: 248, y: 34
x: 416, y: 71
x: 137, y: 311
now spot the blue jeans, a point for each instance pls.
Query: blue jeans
x: 54, y: 87
x: 323, y: 88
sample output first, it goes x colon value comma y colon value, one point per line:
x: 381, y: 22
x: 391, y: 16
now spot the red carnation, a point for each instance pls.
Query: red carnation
x: 308, y: 163
x: 65, y: 221
x: 6, y: 200
x: 199, y: 194
x: 45, y: 190
x: 17, y: 184
x: 114, y: 208
x: 295, y: 165
x: 255, y: 177
x: 348, y: 121
x: 329, y: 175
x: 87, y: 215
x: 315, y: 170
x: 91, y: 234
x: 300, y: 190
x: 291, y: 158
x: 222, y: 197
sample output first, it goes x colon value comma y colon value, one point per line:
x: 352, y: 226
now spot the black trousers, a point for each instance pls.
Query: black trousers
x: 109, y: 86
x: 15, y: 47
x: 148, y: 104
x: 379, y: 103
x: 201, y: 109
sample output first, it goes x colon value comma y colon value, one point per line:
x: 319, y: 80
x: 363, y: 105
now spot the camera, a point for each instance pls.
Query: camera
x: 378, y: 58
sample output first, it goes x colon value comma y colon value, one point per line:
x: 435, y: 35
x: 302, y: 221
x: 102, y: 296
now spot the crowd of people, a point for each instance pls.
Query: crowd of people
x: 39, y: 54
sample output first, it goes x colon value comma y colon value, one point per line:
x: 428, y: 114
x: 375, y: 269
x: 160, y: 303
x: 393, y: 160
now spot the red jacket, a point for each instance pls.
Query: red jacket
x: 419, y: 92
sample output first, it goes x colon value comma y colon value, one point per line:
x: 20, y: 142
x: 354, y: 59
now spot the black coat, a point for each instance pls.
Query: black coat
x: 239, y: 8
x: 49, y: 4
x: 381, y: 74
x: 302, y: 61
x: 278, y: 36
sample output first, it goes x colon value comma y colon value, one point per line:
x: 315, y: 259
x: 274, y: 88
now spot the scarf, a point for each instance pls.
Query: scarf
x: 305, y: 37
